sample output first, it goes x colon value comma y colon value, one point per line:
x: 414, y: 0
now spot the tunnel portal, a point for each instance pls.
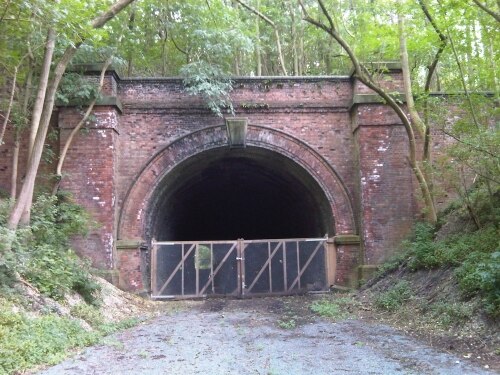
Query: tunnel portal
x: 227, y: 194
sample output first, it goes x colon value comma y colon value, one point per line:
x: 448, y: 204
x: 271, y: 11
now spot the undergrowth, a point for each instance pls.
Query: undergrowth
x: 27, y: 340
x: 474, y: 257
x: 40, y: 255
x: 332, y: 307
x: 395, y: 297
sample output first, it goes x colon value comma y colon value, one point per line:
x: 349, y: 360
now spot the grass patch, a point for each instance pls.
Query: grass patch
x: 451, y: 314
x: 332, y: 308
x: 395, y: 297
x: 28, y: 340
x: 287, y: 323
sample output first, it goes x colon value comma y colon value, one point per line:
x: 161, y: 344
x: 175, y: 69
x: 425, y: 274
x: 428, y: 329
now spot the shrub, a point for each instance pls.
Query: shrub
x: 449, y: 314
x: 422, y: 250
x: 480, y: 275
x: 41, y: 252
x: 89, y: 313
x: 287, y: 324
x: 395, y: 297
x: 331, y: 308
x: 26, y: 342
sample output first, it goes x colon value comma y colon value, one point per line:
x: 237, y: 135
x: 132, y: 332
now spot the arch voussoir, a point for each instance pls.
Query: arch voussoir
x: 132, y: 219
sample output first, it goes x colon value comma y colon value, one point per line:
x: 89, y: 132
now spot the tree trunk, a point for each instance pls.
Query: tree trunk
x: 22, y: 206
x: 258, y: 56
x: 360, y: 72
x: 77, y: 128
x: 491, y: 12
x: 276, y: 33
x: 164, y: 55
x: 35, y: 118
x: 15, y: 164
x: 9, y: 106
x: 416, y: 121
x: 302, y: 58
x: 18, y: 131
x: 24, y: 200
x: 492, y: 61
x: 414, y: 116
x: 294, y: 39
x: 42, y: 88
x: 431, y: 72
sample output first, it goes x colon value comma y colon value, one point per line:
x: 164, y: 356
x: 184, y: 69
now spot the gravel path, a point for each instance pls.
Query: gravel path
x: 235, y: 337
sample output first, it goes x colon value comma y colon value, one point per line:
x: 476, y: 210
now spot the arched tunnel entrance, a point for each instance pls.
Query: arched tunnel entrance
x: 255, y: 216
x: 250, y: 193
x: 204, y: 208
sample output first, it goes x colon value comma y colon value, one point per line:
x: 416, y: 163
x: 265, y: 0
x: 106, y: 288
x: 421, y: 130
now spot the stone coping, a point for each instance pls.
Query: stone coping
x: 111, y: 101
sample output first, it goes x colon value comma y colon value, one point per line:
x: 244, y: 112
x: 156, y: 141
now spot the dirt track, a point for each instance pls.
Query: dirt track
x: 245, y: 337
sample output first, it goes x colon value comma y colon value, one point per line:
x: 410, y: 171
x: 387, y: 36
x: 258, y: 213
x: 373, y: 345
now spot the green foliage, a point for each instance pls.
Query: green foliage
x: 451, y: 314
x: 89, y: 313
x: 474, y: 256
x: 422, y: 249
x: 480, y: 274
x: 425, y: 253
x: 395, y: 297
x: 392, y: 264
x: 28, y: 341
x: 287, y: 323
x: 326, y: 308
x: 211, y: 83
x: 76, y: 89
x: 333, y: 308
x: 41, y: 252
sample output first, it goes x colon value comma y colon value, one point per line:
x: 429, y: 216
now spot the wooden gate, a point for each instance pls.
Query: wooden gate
x: 239, y: 268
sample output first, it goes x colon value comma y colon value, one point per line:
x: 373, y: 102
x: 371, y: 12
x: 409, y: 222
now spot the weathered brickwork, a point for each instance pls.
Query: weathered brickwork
x: 90, y: 175
x: 387, y: 192
x: 354, y: 150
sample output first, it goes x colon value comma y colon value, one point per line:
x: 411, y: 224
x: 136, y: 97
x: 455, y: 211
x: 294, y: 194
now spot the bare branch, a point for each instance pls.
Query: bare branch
x: 101, y: 20
x: 492, y: 13
x: 275, y: 28
x: 9, y: 106
x: 464, y: 84
x: 77, y: 128
x: 443, y: 43
x: 6, y: 8
x: 473, y: 146
x: 327, y: 15
x: 360, y: 72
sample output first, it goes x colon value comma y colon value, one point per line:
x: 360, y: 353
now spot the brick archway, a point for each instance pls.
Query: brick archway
x: 133, y: 216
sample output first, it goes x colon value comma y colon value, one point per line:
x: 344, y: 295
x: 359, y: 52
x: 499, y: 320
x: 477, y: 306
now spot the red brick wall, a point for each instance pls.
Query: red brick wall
x: 89, y: 173
x: 356, y: 153
x: 386, y: 181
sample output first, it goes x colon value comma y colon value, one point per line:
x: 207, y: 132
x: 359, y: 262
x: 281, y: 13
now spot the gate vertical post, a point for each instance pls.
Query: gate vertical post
x: 154, y: 267
x: 330, y: 260
x: 240, y: 267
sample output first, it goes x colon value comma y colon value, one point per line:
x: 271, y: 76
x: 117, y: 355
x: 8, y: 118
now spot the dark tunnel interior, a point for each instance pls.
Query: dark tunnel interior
x: 227, y: 194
